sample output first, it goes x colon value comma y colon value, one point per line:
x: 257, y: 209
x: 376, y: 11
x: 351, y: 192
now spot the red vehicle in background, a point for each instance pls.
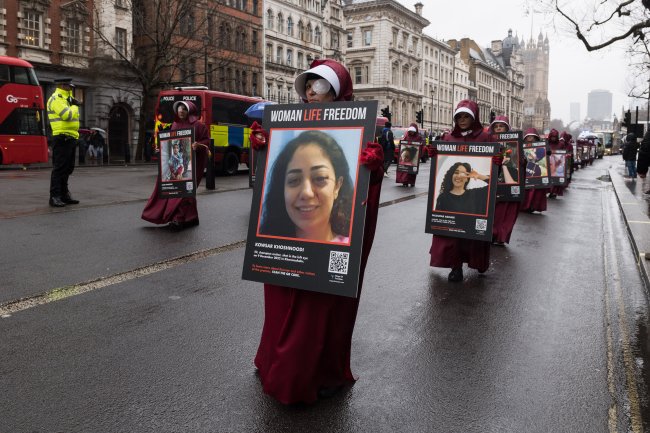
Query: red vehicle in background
x: 22, y: 125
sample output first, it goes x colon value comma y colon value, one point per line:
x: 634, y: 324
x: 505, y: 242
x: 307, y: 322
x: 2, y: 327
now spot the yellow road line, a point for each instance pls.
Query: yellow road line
x: 628, y: 358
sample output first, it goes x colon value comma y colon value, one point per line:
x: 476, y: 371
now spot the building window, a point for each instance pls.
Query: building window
x: 244, y: 5
x: 317, y: 36
x: 269, y: 19
x: 120, y: 41
x: 350, y: 39
x: 335, y: 40
x: 301, y: 31
x: 300, y: 61
x: 186, y: 24
x: 310, y: 33
x: 278, y: 58
x: 280, y: 23
x: 367, y: 37
x: 269, y: 52
x: 254, y: 42
x: 360, y: 75
x: 255, y: 5
x: 73, y: 38
x: 254, y: 85
x: 290, y: 26
x: 289, y: 57
x: 33, y: 28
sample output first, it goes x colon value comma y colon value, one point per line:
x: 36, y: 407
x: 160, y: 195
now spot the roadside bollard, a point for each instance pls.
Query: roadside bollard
x: 209, y: 169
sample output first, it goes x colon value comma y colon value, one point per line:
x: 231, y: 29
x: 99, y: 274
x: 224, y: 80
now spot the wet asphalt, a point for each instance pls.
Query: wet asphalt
x: 553, y: 338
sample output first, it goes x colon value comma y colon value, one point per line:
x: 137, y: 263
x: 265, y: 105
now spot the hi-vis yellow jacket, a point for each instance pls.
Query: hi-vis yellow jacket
x: 64, y: 118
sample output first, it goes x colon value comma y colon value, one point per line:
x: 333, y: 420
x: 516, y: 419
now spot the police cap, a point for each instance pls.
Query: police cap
x: 64, y: 82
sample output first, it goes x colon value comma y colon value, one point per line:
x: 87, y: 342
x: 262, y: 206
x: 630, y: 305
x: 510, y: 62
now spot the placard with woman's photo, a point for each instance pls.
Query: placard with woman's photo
x: 512, y: 180
x: 307, y: 214
x: 558, y: 167
x: 177, y: 179
x: 462, y: 190
x: 535, y: 154
x: 409, y: 157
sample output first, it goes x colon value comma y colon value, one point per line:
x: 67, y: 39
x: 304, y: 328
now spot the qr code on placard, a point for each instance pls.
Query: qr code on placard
x: 339, y: 261
x: 514, y: 189
x: 545, y: 180
x: 481, y: 224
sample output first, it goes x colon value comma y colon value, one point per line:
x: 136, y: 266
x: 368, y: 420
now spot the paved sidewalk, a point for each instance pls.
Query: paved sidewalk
x: 635, y: 206
x: 26, y: 192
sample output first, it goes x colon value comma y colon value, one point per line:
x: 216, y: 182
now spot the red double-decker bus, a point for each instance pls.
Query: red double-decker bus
x: 22, y: 107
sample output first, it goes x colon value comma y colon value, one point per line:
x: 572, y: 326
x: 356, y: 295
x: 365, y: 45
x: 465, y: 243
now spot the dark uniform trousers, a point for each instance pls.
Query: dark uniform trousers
x: 63, y: 149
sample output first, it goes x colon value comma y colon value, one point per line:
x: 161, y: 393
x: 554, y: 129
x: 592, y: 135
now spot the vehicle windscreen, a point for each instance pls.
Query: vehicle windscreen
x: 166, y: 105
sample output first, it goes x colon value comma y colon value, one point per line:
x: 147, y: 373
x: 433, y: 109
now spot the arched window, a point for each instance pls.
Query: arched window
x: 269, y: 19
x: 310, y: 33
x: 290, y: 26
x: 301, y: 31
x: 317, y: 36
x: 280, y: 23
x: 255, y: 4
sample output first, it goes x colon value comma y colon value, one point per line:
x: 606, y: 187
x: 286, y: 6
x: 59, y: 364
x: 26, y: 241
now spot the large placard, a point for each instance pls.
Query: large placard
x: 177, y: 178
x: 308, y: 212
x: 536, y: 165
x: 558, y: 162
x: 462, y: 190
x: 512, y: 179
x: 409, y: 157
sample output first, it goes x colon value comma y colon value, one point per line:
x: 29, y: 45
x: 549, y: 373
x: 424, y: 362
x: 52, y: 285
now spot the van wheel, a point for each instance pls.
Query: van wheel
x: 230, y: 164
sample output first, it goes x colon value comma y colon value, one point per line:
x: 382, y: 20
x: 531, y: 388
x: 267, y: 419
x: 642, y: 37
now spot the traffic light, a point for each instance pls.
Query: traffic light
x: 386, y: 112
x: 419, y: 116
x: 493, y: 115
x: 627, y: 119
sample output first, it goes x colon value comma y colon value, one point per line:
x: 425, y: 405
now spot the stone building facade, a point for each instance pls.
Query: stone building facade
x: 60, y: 39
x: 297, y: 32
x: 439, y: 75
x: 384, y: 54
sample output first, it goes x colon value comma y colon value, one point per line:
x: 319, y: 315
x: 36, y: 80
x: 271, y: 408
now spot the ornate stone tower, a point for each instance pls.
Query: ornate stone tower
x: 537, y: 108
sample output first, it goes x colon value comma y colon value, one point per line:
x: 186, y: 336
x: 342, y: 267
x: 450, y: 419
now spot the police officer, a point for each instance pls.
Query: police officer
x: 63, y: 113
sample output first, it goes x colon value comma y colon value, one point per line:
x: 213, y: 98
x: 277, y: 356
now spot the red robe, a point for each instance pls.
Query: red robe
x: 447, y: 252
x: 559, y: 145
x: 163, y: 210
x: 307, y: 336
x: 401, y: 176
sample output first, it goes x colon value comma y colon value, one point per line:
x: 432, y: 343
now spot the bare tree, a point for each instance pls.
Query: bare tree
x: 170, y: 37
x: 599, y: 24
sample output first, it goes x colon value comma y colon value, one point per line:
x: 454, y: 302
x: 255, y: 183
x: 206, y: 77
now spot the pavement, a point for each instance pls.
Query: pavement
x: 635, y: 208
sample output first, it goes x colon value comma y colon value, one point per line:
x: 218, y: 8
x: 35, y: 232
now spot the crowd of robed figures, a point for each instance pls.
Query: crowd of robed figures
x: 305, y: 345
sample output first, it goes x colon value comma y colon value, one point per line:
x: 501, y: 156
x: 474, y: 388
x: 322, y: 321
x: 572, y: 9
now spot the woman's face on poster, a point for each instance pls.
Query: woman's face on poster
x: 530, y: 155
x: 310, y: 189
x: 460, y: 177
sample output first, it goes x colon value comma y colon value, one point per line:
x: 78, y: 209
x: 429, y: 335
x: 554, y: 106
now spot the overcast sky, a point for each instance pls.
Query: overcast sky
x: 574, y: 72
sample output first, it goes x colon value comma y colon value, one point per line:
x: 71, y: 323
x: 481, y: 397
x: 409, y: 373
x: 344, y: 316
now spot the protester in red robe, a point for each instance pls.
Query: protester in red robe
x: 556, y: 143
x: 413, y: 138
x: 535, y: 199
x: 304, y: 351
x: 505, y: 212
x: 180, y: 213
x: 447, y: 252
x: 567, y: 141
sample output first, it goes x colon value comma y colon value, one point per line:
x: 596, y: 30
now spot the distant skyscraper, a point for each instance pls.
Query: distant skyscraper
x: 599, y: 105
x: 574, y: 110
